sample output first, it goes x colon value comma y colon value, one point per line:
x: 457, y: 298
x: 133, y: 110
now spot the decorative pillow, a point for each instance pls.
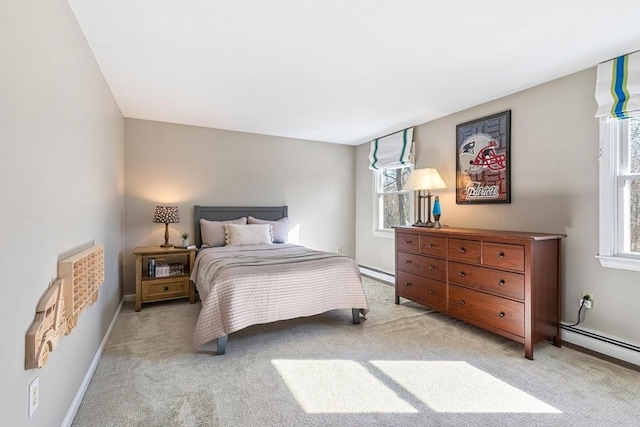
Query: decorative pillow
x: 213, y: 231
x: 280, y: 228
x: 244, y: 235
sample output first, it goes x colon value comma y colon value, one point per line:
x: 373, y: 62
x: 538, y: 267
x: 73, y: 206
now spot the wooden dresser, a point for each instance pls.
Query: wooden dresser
x: 503, y: 281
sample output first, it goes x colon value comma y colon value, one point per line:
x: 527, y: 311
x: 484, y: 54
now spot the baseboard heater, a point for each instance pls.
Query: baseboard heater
x: 602, y: 338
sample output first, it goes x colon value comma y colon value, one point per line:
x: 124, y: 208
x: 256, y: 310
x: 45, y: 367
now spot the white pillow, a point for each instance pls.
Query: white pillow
x: 280, y: 228
x: 213, y: 231
x: 245, y: 235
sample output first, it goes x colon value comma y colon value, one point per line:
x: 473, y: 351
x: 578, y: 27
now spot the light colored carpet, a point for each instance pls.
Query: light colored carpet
x: 403, y: 366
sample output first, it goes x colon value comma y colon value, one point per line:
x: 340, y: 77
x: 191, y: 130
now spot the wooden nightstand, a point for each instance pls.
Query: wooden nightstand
x: 150, y: 288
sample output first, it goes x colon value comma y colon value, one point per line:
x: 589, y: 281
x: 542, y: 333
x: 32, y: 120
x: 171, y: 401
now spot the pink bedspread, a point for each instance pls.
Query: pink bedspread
x: 286, y: 282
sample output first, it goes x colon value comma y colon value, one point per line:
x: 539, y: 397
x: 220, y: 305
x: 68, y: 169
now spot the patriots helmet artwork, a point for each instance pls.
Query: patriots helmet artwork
x: 478, y: 152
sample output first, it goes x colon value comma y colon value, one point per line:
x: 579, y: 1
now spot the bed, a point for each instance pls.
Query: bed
x: 248, y: 281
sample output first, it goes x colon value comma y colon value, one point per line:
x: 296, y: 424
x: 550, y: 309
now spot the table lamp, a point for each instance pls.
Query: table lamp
x: 167, y: 215
x: 422, y: 180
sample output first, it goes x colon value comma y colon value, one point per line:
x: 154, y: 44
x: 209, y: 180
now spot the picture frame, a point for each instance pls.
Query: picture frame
x: 483, y: 160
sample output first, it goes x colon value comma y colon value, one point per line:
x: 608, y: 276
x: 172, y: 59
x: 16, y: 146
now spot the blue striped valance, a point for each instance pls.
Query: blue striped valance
x: 618, y: 87
x: 392, y: 151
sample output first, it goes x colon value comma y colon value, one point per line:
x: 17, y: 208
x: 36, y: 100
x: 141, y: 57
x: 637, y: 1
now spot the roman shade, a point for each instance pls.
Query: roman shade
x: 618, y: 87
x: 392, y: 151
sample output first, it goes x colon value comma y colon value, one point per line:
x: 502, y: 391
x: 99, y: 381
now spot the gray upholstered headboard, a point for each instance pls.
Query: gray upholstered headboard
x: 224, y: 213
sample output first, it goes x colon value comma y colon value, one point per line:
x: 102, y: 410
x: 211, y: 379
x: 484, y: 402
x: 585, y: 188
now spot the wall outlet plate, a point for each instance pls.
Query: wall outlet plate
x: 34, y: 396
x: 587, y: 300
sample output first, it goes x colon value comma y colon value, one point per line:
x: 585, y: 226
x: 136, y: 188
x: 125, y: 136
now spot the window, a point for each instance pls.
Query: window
x: 620, y: 193
x: 392, y: 205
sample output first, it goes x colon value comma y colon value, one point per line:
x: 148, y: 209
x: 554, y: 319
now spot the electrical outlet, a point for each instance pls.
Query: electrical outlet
x: 34, y: 398
x: 587, y: 300
x: 339, y: 249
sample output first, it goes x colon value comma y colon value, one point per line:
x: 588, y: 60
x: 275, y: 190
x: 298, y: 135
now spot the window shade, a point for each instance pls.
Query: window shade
x: 618, y: 87
x: 392, y: 151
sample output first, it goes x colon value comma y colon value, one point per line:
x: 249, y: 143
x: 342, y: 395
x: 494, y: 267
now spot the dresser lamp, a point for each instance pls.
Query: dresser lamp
x: 424, y: 180
x: 167, y: 215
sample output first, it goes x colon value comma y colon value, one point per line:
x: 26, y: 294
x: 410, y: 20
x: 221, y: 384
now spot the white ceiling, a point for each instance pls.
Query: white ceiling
x: 340, y: 71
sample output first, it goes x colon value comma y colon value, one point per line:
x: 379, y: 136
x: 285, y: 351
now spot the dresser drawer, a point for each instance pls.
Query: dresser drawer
x: 170, y: 287
x: 486, y: 279
x: 434, y: 246
x: 425, y: 266
x: 477, y: 307
x: 503, y: 255
x: 408, y: 242
x: 422, y: 289
x: 465, y: 250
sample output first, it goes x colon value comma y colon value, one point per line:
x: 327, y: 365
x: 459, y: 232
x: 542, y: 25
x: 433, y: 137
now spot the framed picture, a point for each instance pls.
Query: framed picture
x: 482, y: 160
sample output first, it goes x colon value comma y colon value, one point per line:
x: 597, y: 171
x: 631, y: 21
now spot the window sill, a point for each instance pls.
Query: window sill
x: 386, y: 234
x: 621, y: 263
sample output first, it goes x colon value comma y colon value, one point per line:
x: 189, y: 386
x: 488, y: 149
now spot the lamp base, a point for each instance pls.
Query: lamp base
x: 423, y: 224
x: 166, y: 245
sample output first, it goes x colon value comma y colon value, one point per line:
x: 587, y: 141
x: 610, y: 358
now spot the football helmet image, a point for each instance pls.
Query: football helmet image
x: 478, y: 152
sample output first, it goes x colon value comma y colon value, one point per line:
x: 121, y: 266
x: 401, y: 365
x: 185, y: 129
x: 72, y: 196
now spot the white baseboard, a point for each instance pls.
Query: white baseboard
x: 75, y: 405
x: 377, y: 274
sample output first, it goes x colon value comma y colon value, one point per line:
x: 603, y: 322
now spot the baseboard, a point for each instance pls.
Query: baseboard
x: 75, y: 405
x: 599, y: 343
x: 129, y: 297
x: 377, y: 274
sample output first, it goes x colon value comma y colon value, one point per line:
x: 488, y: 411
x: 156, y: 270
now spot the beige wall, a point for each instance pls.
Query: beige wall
x: 554, y: 183
x: 188, y: 165
x: 61, y: 186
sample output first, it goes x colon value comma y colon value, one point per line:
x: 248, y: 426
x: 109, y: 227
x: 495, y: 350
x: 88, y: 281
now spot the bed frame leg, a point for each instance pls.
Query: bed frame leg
x: 222, y: 344
x: 355, y: 312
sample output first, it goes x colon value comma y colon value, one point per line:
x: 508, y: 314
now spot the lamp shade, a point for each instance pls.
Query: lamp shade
x: 424, y: 179
x: 166, y: 215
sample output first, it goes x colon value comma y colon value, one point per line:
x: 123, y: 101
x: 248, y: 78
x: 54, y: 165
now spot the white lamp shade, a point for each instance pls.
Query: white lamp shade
x: 424, y: 179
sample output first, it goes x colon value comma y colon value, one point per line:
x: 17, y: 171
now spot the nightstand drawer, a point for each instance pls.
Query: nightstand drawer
x: 167, y: 288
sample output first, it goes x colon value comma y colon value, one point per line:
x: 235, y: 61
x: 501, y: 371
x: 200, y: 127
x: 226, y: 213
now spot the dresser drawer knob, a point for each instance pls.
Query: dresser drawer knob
x: 406, y: 242
x: 431, y: 267
x: 462, y: 274
x: 431, y: 245
x: 407, y: 284
x: 462, y: 250
x: 407, y: 261
x: 501, y: 314
x: 431, y: 292
x: 461, y: 302
x: 166, y: 288
x: 501, y: 282
x: 501, y: 255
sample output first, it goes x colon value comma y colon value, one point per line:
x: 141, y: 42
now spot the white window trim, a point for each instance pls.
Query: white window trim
x: 386, y: 233
x: 608, y: 253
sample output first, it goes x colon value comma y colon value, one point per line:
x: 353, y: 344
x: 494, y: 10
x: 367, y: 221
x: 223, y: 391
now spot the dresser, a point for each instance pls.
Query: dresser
x: 503, y: 281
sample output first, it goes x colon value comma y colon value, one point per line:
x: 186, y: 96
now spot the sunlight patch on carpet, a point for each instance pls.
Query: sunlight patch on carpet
x: 338, y: 386
x: 459, y: 387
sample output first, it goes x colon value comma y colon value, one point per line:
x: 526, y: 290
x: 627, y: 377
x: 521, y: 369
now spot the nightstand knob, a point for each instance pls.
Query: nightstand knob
x: 166, y: 288
x: 462, y: 250
x: 501, y: 314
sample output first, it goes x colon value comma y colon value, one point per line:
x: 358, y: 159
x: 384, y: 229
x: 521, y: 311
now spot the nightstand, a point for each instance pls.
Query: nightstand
x: 150, y: 288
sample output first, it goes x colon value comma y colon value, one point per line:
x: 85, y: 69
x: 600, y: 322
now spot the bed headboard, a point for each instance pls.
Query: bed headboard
x: 225, y: 213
